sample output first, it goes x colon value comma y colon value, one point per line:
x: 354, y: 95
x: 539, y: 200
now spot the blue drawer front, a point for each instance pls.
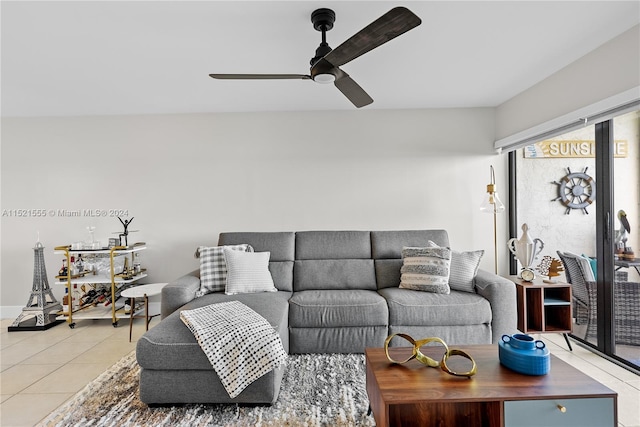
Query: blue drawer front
x: 596, y: 412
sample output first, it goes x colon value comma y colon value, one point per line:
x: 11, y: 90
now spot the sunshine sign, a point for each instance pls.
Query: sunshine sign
x: 571, y: 148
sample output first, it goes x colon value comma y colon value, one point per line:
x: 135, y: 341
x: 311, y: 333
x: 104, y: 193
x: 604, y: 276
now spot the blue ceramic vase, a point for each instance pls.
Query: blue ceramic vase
x: 523, y: 354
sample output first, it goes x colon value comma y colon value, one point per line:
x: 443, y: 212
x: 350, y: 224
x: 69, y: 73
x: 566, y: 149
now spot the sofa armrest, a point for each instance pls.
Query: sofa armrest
x: 501, y: 293
x: 179, y: 292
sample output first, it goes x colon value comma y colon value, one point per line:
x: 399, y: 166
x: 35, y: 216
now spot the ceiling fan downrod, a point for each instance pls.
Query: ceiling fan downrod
x: 322, y: 20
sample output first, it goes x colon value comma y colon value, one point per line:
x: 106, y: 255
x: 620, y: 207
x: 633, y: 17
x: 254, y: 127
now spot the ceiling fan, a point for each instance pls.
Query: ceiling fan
x: 325, y: 64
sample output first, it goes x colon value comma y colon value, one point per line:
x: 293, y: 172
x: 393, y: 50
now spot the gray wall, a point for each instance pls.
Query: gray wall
x: 185, y: 178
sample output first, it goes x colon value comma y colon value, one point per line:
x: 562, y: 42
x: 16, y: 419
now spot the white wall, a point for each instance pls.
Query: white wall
x: 611, y: 69
x: 185, y: 178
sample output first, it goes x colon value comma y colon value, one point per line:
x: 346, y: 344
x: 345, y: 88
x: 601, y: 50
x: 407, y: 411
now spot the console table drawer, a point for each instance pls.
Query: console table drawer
x: 577, y: 412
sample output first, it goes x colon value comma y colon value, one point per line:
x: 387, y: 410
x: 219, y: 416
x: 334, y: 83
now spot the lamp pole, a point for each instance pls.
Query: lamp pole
x: 495, y: 238
x: 492, y: 204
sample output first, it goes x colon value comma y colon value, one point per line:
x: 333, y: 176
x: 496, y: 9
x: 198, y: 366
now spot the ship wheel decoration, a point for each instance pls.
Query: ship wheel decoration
x: 576, y: 190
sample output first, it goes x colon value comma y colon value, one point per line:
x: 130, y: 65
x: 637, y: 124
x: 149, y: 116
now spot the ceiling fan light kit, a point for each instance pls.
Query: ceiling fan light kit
x: 326, y: 62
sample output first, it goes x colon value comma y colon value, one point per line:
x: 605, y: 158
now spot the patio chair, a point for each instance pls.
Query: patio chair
x: 584, y: 294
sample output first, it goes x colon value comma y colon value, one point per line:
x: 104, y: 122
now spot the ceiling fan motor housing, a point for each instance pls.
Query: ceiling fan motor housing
x: 323, y: 19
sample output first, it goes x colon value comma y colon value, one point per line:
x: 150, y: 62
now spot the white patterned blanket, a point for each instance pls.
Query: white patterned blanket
x: 240, y: 344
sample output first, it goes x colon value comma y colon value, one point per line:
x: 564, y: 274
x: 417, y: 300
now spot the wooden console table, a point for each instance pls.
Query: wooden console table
x: 415, y: 395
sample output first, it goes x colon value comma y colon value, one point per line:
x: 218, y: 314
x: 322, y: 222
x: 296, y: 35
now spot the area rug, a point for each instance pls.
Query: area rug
x: 317, y: 390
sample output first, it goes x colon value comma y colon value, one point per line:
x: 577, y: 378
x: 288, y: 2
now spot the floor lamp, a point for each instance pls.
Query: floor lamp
x: 492, y: 205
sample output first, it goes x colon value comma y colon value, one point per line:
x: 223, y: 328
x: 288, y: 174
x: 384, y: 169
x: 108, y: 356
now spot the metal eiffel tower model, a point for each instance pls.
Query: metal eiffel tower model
x: 41, y: 304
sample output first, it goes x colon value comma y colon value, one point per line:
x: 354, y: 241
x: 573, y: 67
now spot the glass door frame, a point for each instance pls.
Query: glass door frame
x: 605, y: 234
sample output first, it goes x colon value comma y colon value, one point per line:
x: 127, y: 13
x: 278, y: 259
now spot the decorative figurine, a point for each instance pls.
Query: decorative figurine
x: 42, y: 304
x: 125, y: 233
x: 526, y: 250
x: 622, y: 250
x: 550, y: 267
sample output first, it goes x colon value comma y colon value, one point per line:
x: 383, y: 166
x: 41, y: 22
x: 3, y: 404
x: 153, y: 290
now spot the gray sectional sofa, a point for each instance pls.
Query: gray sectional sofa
x: 337, y: 293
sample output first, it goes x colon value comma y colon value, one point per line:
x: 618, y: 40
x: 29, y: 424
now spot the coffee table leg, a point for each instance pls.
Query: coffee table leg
x: 146, y: 311
x: 132, y: 302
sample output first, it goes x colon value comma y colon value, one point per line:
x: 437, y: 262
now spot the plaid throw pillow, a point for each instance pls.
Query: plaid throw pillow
x: 213, y: 268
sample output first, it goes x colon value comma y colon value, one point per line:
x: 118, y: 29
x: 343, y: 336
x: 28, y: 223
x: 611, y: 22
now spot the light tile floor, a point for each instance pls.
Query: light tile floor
x: 41, y: 370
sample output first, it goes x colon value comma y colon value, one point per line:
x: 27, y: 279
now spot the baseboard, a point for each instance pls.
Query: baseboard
x: 13, y: 311
x: 10, y: 311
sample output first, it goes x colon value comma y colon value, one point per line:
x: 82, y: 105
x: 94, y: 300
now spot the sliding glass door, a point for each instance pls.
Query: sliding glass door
x: 579, y: 193
x: 625, y: 217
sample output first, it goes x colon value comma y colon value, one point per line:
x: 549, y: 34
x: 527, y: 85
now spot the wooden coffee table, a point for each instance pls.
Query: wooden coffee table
x: 413, y: 394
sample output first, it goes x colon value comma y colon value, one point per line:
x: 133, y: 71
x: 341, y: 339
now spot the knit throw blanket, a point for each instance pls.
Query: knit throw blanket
x: 240, y: 344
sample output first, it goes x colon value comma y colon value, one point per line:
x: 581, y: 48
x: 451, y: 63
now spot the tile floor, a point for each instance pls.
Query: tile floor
x: 41, y: 370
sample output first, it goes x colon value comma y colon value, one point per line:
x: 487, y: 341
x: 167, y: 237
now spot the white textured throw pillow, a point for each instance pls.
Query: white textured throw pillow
x: 463, y: 269
x: 213, y: 269
x: 248, y: 272
x: 426, y: 269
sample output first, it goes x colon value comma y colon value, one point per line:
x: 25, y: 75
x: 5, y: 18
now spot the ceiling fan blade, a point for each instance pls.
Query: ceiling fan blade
x: 351, y: 89
x: 396, y: 22
x: 259, y: 76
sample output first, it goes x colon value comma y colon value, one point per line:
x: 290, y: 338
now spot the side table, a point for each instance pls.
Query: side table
x: 628, y: 263
x: 544, y: 307
x: 142, y: 291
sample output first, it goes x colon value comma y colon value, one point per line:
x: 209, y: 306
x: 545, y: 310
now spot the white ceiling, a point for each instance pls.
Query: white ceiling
x: 148, y: 57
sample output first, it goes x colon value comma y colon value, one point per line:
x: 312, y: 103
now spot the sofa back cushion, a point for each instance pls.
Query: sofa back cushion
x: 333, y: 245
x: 333, y: 260
x: 281, y: 245
x: 386, y: 250
x: 334, y: 274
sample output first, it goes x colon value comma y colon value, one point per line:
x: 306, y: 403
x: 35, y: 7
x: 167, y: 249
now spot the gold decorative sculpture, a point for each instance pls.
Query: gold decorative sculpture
x: 550, y: 267
x: 428, y: 361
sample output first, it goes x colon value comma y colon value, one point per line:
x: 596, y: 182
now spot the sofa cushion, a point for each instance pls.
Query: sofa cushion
x: 334, y: 274
x: 386, y: 249
x: 171, y: 345
x: 248, y: 272
x: 389, y: 244
x: 426, y: 269
x: 584, y: 264
x: 415, y: 308
x: 337, y: 308
x: 279, y: 244
x: 388, y: 272
x: 213, y: 268
x: 463, y: 270
x: 333, y: 245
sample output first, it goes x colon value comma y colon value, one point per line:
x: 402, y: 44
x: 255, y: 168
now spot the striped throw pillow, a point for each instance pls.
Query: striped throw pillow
x: 248, y: 272
x: 426, y: 269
